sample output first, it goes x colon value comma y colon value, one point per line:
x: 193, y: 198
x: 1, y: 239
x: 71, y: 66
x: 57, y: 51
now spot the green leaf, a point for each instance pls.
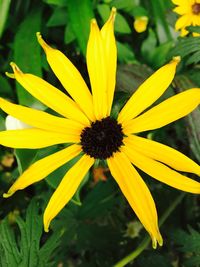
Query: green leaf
x: 139, y: 11
x: 29, y: 252
x: 80, y: 15
x: 69, y: 35
x: 130, y: 77
x: 4, y: 8
x: 104, y: 11
x: 99, y: 200
x: 125, y: 53
x: 153, y: 260
x: 124, y: 4
x: 162, y: 27
x: 187, y: 241
x: 185, y: 47
x: 27, y: 54
x: 121, y: 25
x: 9, y: 249
x: 148, y: 46
x: 24, y: 158
x: 2, y: 123
x: 160, y: 54
x: 58, y: 18
x: 195, y: 29
x: 182, y: 82
x: 6, y: 89
x: 56, y: 2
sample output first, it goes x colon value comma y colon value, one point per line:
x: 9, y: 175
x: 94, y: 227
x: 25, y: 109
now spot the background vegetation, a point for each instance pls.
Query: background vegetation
x: 97, y: 228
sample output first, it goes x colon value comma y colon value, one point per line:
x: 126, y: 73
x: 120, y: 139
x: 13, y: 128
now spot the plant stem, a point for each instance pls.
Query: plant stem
x: 145, y: 242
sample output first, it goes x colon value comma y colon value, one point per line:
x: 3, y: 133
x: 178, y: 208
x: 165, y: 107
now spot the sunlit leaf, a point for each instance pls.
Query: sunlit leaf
x: 4, y: 9
x: 27, y: 54
x: 80, y: 14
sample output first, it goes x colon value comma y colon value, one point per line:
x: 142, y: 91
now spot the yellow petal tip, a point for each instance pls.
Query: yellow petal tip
x: 6, y: 195
x: 10, y: 75
x: 176, y: 59
x: 41, y: 41
x: 154, y: 243
x: 46, y: 227
x: 157, y: 240
x: 15, y: 68
x: 93, y: 22
x: 160, y: 240
x: 113, y: 12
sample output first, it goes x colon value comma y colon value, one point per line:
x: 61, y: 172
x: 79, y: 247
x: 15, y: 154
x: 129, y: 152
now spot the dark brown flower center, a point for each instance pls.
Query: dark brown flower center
x: 102, y: 138
x: 196, y: 9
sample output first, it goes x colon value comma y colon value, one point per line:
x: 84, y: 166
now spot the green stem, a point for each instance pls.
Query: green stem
x: 145, y: 242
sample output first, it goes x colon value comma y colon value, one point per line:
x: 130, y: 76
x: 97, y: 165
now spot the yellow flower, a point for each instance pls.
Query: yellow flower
x: 190, y: 15
x: 86, y: 124
x: 140, y: 24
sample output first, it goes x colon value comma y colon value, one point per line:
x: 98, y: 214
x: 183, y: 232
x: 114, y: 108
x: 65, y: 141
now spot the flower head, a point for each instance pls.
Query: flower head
x: 190, y: 15
x: 87, y: 126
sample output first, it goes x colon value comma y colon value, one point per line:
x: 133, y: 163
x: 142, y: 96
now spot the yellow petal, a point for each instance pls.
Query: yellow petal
x: 136, y: 193
x: 168, y: 111
x: 140, y: 24
x: 108, y: 37
x: 70, y: 78
x: 34, y: 138
x: 43, y: 167
x: 49, y: 95
x: 178, y: 2
x: 181, y: 10
x: 149, y: 91
x: 162, y: 153
x: 184, y: 32
x: 66, y: 189
x: 183, y: 21
x: 96, y: 64
x: 40, y: 119
x: 161, y: 172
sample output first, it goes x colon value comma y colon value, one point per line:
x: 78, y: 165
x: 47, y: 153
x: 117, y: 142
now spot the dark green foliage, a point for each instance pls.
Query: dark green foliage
x: 188, y: 243
x: 187, y: 48
x: 24, y: 248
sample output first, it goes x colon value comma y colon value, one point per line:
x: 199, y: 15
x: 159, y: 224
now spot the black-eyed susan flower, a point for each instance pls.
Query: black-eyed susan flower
x: 87, y: 126
x: 189, y: 10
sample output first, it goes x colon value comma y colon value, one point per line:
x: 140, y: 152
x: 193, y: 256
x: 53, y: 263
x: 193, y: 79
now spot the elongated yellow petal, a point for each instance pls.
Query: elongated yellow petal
x: 110, y: 47
x: 168, y: 111
x: 149, y: 91
x: 96, y: 64
x: 43, y: 167
x: 49, y: 95
x: 162, y: 153
x: 35, y: 138
x: 183, y: 21
x: 181, y: 10
x: 66, y: 189
x: 70, y: 78
x: 161, y: 172
x: 137, y: 194
x: 40, y: 119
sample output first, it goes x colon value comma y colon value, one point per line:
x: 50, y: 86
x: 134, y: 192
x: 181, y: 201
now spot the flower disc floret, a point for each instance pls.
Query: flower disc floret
x: 102, y: 138
x: 196, y: 9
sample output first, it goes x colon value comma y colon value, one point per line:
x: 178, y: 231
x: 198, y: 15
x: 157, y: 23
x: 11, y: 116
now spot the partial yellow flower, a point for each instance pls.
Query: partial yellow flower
x: 189, y: 10
x: 86, y: 126
x: 140, y: 24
